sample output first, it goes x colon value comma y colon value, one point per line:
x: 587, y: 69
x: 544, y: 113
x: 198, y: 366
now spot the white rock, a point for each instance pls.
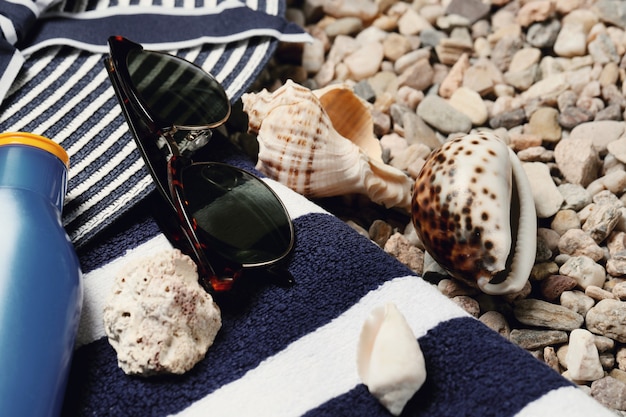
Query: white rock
x: 547, y: 197
x: 389, y: 359
x: 158, y: 317
x: 584, y: 270
x: 583, y: 360
x: 365, y: 61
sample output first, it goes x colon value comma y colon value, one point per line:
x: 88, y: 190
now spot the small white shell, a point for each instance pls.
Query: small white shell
x: 474, y: 211
x: 321, y: 143
x: 389, y: 359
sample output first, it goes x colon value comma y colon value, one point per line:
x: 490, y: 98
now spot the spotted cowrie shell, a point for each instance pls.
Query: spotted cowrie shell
x: 474, y: 212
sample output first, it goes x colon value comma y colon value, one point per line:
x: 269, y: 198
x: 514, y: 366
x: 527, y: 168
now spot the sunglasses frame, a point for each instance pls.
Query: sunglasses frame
x: 149, y: 132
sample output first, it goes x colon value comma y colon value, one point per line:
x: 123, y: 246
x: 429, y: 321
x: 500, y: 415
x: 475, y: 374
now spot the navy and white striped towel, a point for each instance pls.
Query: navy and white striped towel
x: 292, y: 351
x: 63, y: 92
x: 281, y: 351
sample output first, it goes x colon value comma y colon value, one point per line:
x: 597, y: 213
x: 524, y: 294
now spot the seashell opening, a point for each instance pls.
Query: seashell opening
x: 474, y: 212
x: 389, y: 359
x: 327, y: 148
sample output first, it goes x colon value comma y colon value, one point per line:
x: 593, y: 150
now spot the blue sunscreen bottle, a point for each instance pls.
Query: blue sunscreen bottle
x: 40, y: 280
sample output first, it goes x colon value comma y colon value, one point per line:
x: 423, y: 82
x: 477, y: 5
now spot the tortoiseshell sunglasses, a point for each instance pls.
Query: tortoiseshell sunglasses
x: 229, y: 221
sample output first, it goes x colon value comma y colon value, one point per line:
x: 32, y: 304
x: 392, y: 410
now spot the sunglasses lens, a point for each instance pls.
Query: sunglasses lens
x: 176, y: 91
x: 237, y: 213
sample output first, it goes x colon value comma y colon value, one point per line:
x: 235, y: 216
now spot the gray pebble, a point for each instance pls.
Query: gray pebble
x: 533, y: 312
x: 436, y: 111
x: 535, y: 339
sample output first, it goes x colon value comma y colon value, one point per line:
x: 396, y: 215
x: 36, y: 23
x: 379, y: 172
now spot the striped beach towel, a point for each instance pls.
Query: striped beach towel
x: 55, y: 84
x: 280, y: 351
x: 292, y: 351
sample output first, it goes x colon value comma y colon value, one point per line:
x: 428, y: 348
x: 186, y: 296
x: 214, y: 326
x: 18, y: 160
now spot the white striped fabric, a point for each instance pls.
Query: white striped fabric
x: 292, y: 351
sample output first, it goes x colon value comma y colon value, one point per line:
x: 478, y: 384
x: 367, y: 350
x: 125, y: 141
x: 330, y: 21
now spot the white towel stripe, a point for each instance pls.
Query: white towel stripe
x: 277, y: 385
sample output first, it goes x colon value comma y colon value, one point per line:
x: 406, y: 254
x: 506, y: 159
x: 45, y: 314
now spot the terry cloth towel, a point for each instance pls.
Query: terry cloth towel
x: 281, y: 351
x: 62, y: 91
x: 292, y: 351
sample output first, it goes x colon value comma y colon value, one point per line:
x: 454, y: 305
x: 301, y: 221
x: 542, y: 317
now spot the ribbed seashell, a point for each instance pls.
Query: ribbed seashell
x: 389, y: 359
x: 322, y: 144
x: 474, y: 211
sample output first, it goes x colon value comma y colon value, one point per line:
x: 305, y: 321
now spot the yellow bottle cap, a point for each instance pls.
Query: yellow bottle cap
x: 31, y: 139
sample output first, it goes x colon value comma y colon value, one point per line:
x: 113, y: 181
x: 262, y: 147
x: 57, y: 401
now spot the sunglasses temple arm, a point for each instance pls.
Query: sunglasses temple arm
x: 130, y: 115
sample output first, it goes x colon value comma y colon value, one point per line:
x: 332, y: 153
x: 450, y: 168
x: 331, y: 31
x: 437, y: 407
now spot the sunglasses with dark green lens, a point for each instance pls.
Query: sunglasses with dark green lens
x: 227, y: 219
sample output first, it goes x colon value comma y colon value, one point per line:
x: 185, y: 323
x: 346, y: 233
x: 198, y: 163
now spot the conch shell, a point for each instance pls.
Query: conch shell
x: 389, y: 359
x: 474, y: 211
x: 321, y: 143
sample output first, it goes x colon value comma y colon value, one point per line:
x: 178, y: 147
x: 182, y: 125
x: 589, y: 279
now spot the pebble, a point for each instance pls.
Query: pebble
x: 496, y: 322
x: 608, y: 318
x: 575, y: 196
x: 468, y: 304
x: 400, y: 247
x: 543, y: 34
x: 544, y: 122
x: 610, y: 391
x: 565, y: 220
x: 598, y: 293
x: 577, y: 301
x: 380, y: 232
x: 575, y: 242
x: 435, y: 111
x: 583, y: 360
x: 535, y: 339
x: 584, y: 270
x: 469, y: 103
x: 419, y: 75
x: 553, y: 286
x: 577, y: 160
x: 539, y: 313
x: 602, y: 221
x: 618, y: 149
x: 365, y: 61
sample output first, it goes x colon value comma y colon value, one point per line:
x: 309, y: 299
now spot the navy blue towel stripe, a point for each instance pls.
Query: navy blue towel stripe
x: 259, y: 320
x: 472, y: 372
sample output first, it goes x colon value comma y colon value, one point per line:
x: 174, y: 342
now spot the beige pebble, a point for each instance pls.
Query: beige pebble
x: 454, y: 78
x: 544, y: 122
x: 496, y: 322
x: 363, y: 9
x: 365, y: 61
x: 469, y: 102
x: 582, y: 358
x: 540, y: 313
x: 619, y: 290
x: 565, y: 220
x: 418, y: 76
x: 395, y: 46
x: 577, y: 301
x: 468, y: 304
x: 412, y: 23
x: 608, y: 318
x: 577, y: 160
x: 521, y: 141
x: 535, y: 11
x: 598, y: 293
x: 584, y: 270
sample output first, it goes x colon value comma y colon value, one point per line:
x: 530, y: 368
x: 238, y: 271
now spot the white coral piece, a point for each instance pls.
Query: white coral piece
x: 389, y: 359
x: 158, y: 318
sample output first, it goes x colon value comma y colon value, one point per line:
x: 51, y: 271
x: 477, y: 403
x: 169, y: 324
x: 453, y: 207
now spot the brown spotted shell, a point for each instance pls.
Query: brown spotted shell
x: 474, y: 212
